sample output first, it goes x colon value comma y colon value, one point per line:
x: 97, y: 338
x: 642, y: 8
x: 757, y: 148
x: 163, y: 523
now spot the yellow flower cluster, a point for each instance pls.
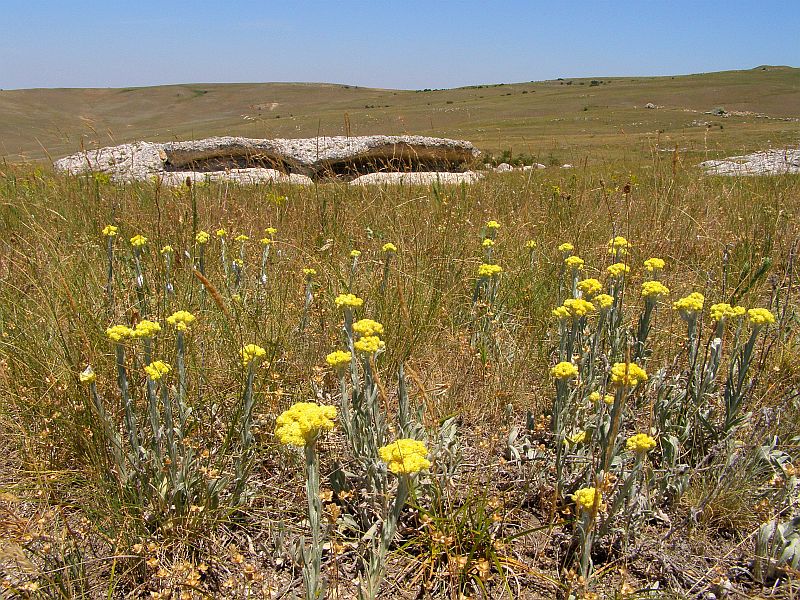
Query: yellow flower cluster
x: 693, y: 303
x: 355, y: 253
x: 585, y: 498
x: 266, y: 241
x: 531, y: 244
x: 723, y: 310
x: 564, y: 370
x: 618, y: 269
x: 167, y: 249
x: 627, y: 375
x: 251, y: 353
x: 271, y: 231
x: 348, y: 301
x: 486, y: 270
x: 608, y: 399
x: 138, y: 241
x: 604, y: 301
x: 221, y: 233
x: 566, y: 247
x: 618, y: 244
x: 574, y: 262
x: 405, y: 456
x: 389, y: 247
x: 202, y: 237
x: 367, y: 327
x: 576, y: 439
x: 303, y: 422
x: 653, y: 265
x: 590, y: 287
x: 493, y: 225
x: 760, y: 316
x: 181, y: 320
x: 595, y: 397
x: 241, y: 238
x: 487, y: 243
x: 87, y: 376
x: 110, y: 230
x: 338, y: 359
x: 654, y: 289
x: 157, y: 369
x: 309, y: 272
x: 369, y: 344
x: 640, y: 443
x: 146, y: 329
x: 118, y: 333
x: 574, y: 307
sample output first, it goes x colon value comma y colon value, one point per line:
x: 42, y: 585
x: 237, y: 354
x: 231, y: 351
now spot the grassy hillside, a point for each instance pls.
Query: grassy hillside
x: 555, y: 121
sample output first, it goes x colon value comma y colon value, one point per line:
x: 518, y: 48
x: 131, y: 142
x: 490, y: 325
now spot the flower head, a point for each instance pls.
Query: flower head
x: 266, y: 241
x: 608, y: 399
x: 181, y: 320
x: 202, y: 237
x: 221, y: 233
x: 369, y: 344
x: 618, y: 245
x: 531, y: 244
x: 271, y: 231
x: 241, y: 238
x: 595, y: 397
x: 486, y: 270
x: 405, y: 456
x: 339, y: 359
x: 618, y: 269
x: 119, y: 333
x: 627, y: 375
x: 348, y: 301
x: 138, y: 241
x: 759, y: 317
x: 309, y: 272
x: 566, y: 248
x: 389, y: 248
x: 303, y: 422
x: 146, y: 329
x: 585, y: 498
x: 87, y: 376
x: 604, y: 301
x: 689, y: 305
x: 167, y: 250
x: 640, y: 443
x: 578, y: 307
x: 157, y: 369
x: 653, y: 265
x: 564, y: 370
x: 355, y: 253
x: 493, y: 225
x: 654, y: 290
x: 252, y: 354
x: 367, y: 327
x: 110, y: 230
x: 574, y: 263
x: 487, y: 243
x: 590, y: 287
x: 723, y: 310
x: 576, y: 439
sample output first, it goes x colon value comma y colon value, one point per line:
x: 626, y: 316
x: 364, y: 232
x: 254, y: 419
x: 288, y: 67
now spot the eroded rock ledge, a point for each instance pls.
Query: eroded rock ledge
x: 299, y: 161
x: 768, y: 162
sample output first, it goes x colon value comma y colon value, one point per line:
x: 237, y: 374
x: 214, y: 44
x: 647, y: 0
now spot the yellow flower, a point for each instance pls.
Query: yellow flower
x: 566, y: 247
x: 242, y: 238
x: 654, y: 289
x: 618, y: 244
x: 561, y: 313
x: 531, y: 244
x: 493, y: 225
x: 252, y: 353
x: 760, y: 316
x: 653, y: 265
x: 348, y: 301
x: 585, y: 498
x: 389, y: 247
x: 486, y: 270
x: 146, y: 329
x: 576, y: 439
x: 640, y: 443
x: 338, y: 359
x: 405, y: 456
x: 578, y: 307
x: 238, y: 262
x: 590, y: 287
x: 266, y: 241
x: 119, y: 333
x: 202, y: 237
x: 595, y: 397
x: 355, y: 253
x: 157, y: 369
x: 110, y: 230
x: 604, y: 301
x: 608, y: 399
x: 618, y: 269
x: 627, y: 375
x: 487, y: 243
x: 87, y: 376
x: 221, y: 233
x: 367, y: 327
x: 309, y: 272
x: 369, y: 344
x: 723, y: 310
x: 689, y: 305
x: 167, y: 250
x: 303, y: 422
x: 181, y: 320
x: 271, y: 231
x: 574, y: 262
x: 138, y: 241
x: 564, y: 370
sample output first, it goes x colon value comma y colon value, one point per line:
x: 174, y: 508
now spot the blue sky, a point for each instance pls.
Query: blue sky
x: 400, y: 44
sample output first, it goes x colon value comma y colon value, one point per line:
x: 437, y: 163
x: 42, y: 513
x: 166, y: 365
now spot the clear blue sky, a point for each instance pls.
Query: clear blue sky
x: 400, y: 44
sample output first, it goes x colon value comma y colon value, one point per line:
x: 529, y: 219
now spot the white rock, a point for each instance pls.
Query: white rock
x: 417, y: 178
x: 566, y: 166
x: 503, y: 168
x: 650, y: 105
x: 768, y: 162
